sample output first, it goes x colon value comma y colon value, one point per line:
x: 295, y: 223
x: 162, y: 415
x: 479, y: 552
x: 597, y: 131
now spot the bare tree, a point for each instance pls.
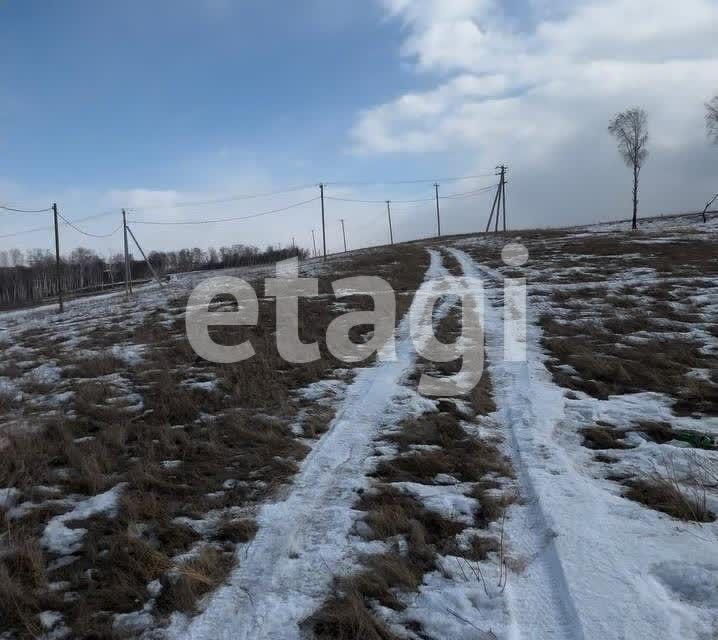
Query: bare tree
x: 630, y: 129
x: 712, y: 119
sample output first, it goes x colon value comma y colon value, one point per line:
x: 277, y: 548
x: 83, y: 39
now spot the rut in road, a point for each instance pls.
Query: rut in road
x: 540, y: 602
x: 303, y: 539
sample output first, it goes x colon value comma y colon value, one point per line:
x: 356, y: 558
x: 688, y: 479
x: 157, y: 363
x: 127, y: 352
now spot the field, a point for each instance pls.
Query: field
x: 145, y: 492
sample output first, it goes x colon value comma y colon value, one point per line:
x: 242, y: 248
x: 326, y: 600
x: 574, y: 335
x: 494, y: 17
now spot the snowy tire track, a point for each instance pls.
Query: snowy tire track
x: 594, y: 560
x: 303, y: 539
x: 544, y: 605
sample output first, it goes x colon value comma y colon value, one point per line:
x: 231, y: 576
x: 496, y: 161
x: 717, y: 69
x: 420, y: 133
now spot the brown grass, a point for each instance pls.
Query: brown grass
x: 95, y: 367
x: 347, y: 617
x: 604, y: 436
x: 662, y: 494
x: 247, y: 439
x: 195, y: 578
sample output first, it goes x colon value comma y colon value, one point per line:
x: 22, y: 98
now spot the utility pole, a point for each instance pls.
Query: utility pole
x: 503, y: 193
x: 499, y: 205
x: 438, y: 213
x: 705, y: 211
x: 58, y: 263
x: 149, y: 264
x: 344, y: 235
x: 388, y: 211
x: 324, y: 231
x: 128, y: 287
x: 493, y: 208
x: 314, y: 243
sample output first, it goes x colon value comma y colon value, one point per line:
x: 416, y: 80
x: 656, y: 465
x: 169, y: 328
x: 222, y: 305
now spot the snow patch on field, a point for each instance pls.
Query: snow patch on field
x: 591, y: 554
x: 60, y: 539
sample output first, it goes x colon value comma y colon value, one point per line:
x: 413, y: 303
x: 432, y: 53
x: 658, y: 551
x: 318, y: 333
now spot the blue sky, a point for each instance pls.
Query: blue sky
x: 139, y: 104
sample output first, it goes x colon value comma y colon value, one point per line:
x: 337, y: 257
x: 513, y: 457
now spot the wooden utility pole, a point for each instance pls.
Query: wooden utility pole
x: 705, y: 211
x: 388, y: 211
x: 58, y: 262
x: 499, y: 205
x: 493, y: 208
x: 314, y: 243
x: 438, y: 212
x: 324, y: 231
x: 128, y: 286
x: 503, y: 193
x: 344, y: 235
x: 154, y: 273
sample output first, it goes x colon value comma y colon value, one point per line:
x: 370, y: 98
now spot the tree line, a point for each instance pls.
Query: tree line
x: 31, y: 277
x: 630, y: 129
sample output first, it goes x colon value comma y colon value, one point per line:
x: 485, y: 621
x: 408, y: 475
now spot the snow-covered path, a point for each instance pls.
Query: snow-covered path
x: 598, y: 566
x: 287, y: 570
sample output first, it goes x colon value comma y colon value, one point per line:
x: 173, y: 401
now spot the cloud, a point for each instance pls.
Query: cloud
x: 501, y: 89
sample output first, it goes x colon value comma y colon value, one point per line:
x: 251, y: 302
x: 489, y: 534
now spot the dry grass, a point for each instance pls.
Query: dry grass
x: 391, y: 514
x: 95, y: 367
x: 23, y: 582
x: 457, y: 453
x: 603, y: 436
x: 348, y: 617
x: 194, y: 579
x: 664, y: 495
x: 680, y: 494
x: 234, y: 444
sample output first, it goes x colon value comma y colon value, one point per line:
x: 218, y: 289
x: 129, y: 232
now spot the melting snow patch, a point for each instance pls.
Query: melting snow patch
x: 130, y: 354
x: 447, y: 500
x: 60, y: 539
x: 49, y: 619
x: 46, y: 374
x: 132, y: 623
x: 8, y: 498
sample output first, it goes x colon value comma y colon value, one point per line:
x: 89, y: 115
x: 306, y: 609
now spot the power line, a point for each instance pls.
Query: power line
x: 423, y: 181
x: 225, y: 200
x: 69, y: 222
x: 25, y: 232
x: 236, y: 219
x: 469, y: 194
x: 12, y: 210
x: 417, y: 200
x: 357, y: 200
x: 87, y: 233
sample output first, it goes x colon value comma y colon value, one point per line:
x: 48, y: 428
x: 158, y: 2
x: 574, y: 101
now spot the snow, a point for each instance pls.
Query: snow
x: 46, y: 374
x: 60, y: 539
x: 589, y: 563
x: 8, y: 498
x: 286, y: 571
x: 592, y: 555
x: 447, y: 500
x: 50, y: 619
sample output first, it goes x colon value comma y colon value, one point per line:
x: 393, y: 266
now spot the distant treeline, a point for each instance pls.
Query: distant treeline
x: 32, y: 277
x: 238, y: 255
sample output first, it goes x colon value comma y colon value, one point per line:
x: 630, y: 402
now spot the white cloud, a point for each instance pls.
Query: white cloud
x: 540, y: 96
x: 501, y: 88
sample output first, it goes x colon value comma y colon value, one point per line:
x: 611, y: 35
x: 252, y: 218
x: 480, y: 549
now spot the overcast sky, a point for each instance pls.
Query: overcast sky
x: 147, y: 104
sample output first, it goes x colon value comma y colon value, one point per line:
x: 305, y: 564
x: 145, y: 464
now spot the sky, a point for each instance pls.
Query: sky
x: 166, y: 107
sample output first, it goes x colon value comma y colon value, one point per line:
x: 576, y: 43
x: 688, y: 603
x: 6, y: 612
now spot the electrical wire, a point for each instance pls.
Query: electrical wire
x: 237, y: 198
x: 377, y: 201
x: 468, y: 194
x: 95, y: 216
x: 236, y: 219
x: 87, y: 233
x: 425, y: 181
x: 447, y: 197
x: 25, y: 232
x: 12, y: 210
